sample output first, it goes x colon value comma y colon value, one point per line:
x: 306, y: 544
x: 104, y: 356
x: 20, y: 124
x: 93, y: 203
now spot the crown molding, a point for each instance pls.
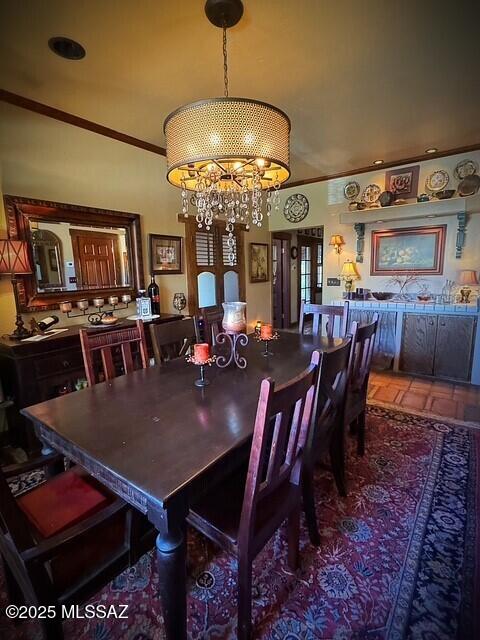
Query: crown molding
x: 77, y: 121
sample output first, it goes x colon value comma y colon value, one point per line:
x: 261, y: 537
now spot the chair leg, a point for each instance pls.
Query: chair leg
x: 309, y: 507
x: 293, y: 533
x: 361, y: 434
x: 15, y: 595
x: 244, y: 624
x: 337, y: 459
x: 353, y: 426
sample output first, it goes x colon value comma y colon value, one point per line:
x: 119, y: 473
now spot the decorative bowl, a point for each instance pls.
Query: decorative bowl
x: 382, y: 295
x: 445, y: 194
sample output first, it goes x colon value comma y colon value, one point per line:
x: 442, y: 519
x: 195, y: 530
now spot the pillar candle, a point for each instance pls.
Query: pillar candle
x: 266, y: 331
x: 201, y: 352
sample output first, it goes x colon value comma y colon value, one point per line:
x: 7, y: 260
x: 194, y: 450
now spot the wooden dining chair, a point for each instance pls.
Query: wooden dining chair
x: 363, y: 343
x: 328, y: 434
x: 63, y: 540
x: 172, y: 339
x: 332, y: 312
x: 107, y: 343
x: 212, y: 324
x: 250, y: 505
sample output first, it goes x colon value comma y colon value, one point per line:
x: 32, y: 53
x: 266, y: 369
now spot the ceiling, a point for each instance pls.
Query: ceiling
x: 359, y: 80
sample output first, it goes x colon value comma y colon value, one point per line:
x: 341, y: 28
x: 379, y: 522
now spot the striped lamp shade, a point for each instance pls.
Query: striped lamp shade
x: 14, y: 258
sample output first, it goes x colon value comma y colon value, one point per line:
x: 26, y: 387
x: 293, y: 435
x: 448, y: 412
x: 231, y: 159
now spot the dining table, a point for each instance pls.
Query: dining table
x: 158, y: 441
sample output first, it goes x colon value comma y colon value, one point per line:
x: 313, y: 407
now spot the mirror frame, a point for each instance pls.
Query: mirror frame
x: 19, y: 211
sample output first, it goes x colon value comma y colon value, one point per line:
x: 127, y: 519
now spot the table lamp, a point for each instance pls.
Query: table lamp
x: 348, y: 274
x: 14, y: 261
x: 467, y: 278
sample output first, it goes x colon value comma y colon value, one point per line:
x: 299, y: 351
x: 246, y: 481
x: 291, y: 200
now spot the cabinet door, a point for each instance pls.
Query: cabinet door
x: 418, y: 343
x: 454, y: 348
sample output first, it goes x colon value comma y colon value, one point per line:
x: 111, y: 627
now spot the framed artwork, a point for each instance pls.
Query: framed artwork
x: 165, y: 254
x: 403, y: 182
x: 418, y: 250
x: 258, y: 262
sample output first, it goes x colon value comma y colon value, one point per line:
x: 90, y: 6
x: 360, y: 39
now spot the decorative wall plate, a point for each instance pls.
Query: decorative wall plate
x: 465, y: 168
x: 296, y: 207
x: 469, y: 186
x: 351, y: 190
x: 371, y: 193
x: 437, y: 181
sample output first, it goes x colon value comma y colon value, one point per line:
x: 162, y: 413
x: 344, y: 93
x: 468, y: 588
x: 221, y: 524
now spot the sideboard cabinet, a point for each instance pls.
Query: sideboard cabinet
x: 31, y: 372
x: 438, y: 345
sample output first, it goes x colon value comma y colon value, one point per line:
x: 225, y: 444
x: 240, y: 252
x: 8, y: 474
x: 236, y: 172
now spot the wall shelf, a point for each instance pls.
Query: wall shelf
x: 433, y: 209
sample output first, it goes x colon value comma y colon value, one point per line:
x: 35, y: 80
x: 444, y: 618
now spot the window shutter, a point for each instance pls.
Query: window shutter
x: 205, y: 248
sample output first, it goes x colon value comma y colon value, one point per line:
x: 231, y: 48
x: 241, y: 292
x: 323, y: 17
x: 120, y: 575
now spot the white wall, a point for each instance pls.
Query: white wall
x: 326, y: 205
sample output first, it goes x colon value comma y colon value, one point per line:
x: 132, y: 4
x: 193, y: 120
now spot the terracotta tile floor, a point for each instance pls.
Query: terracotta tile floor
x: 431, y: 397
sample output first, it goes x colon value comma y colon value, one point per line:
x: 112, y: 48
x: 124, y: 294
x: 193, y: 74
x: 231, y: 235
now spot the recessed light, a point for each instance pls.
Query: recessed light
x: 378, y: 162
x: 379, y: 221
x: 431, y: 150
x: 66, y: 48
x: 432, y: 215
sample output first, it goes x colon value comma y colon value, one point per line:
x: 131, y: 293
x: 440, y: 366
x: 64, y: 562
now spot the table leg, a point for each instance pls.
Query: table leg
x: 171, y: 557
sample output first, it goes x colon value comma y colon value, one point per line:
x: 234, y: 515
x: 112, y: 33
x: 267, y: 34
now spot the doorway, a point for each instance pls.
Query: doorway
x: 281, y: 280
x: 310, y: 265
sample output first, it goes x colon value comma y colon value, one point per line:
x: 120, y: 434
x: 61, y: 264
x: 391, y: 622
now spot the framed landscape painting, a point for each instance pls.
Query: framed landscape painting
x: 418, y: 250
x: 258, y: 262
x: 165, y: 254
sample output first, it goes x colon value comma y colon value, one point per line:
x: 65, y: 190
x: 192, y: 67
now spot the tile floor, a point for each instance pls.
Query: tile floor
x: 432, y: 397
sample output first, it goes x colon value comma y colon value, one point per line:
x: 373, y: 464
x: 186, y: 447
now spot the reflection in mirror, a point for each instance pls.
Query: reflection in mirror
x: 72, y: 257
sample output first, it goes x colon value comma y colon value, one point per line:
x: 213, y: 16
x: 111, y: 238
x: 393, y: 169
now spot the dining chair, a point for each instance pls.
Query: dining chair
x: 65, y: 539
x: 212, y: 324
x: 107, y: 343
x: 327, y: 435
x: 363, y: 343
x: 172, y: 339
x: 246, y: 509
x: 332, y: 312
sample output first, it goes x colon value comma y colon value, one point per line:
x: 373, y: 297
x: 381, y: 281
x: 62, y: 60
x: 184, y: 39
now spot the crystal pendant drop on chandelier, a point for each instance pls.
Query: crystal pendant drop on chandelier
x: 228, y: 151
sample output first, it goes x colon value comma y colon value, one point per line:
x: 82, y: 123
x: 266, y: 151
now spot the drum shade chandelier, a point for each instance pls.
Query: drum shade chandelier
x: 228, y: 151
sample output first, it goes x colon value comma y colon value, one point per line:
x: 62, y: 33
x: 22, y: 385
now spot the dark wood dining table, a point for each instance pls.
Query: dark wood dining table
x: 157, y: 441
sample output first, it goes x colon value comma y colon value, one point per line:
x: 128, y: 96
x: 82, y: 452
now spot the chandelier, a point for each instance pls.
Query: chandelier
x: 226, y: 153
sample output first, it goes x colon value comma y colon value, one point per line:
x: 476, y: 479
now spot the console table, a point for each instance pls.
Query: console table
x: 32, y: 372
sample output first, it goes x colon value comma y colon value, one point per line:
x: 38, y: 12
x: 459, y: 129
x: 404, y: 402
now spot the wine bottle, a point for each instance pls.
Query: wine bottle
x: 154, y: 295
x: 47, y: 322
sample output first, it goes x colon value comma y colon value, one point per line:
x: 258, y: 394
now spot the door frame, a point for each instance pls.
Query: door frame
x: 287, y: 274
x: 311, y: 241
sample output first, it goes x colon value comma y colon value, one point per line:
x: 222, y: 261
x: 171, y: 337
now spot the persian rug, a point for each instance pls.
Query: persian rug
x: 398, y: 557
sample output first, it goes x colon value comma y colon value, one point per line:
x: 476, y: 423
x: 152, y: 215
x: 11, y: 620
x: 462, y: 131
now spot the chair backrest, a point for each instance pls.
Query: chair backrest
x: 172, y: 339
x: 282, y: 425
x: 330, y: 311
x: 363, y: 342
x: 212, y: 323
x: 106, y: 342
x: 331, y: 398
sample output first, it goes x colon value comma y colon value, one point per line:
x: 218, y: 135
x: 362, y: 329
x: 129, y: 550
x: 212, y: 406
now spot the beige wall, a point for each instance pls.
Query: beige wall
x: 46, y: 159
x: 327, y: 202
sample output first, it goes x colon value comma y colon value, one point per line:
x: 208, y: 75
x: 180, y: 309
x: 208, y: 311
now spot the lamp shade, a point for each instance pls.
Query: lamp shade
x: 336, y: 240
x: 468, y: 276
x: 349, y: 270
x: 227, y: 135
x: 14, y: 258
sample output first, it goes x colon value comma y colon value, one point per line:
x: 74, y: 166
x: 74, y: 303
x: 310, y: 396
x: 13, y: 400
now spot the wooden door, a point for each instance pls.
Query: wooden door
x: 310, y: 269
x: 97, y: 259
x: 454, y: 347
x: 417, y: 353
x: 281, y: 280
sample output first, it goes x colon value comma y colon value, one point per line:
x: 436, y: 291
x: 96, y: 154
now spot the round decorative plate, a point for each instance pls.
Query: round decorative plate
x: 437, y: 181
x: 371, y: 193
x: 469, y: 186
x: 465, y: 168
x: 351, y: 190
x: 296, y: 207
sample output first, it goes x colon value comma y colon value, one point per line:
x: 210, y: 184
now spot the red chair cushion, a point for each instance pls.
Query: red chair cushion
x: 63, y: 501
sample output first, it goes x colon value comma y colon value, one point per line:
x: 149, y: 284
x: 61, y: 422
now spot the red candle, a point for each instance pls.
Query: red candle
x: 266, y: 331
x: 201, y: 352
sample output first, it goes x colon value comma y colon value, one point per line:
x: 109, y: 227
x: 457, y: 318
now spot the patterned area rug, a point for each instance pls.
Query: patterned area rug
x: 398, y: 559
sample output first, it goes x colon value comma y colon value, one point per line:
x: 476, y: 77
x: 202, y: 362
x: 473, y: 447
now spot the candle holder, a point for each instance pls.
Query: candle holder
x: 234, y: 340
x: 266, y: 342
x: 202, y: 381
x: 95, y: 317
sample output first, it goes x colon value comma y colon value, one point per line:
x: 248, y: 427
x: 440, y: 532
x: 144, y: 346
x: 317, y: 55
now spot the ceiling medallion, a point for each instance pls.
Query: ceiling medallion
x: 228, y: 151
x: 296, y: 207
